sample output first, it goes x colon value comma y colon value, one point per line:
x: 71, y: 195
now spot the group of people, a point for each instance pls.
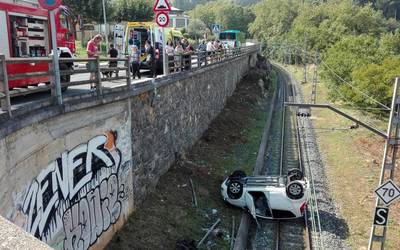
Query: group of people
x: 180, y: 49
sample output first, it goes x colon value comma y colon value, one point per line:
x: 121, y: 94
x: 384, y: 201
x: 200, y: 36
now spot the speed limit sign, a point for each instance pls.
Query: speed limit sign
x: 388, y: 192
x: 162, y: 19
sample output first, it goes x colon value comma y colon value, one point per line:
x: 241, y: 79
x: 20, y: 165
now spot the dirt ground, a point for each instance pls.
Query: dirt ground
x: 168, y: 214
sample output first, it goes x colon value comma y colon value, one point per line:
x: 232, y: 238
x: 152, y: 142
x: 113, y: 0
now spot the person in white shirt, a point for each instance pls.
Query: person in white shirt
x: 169, y: 49
x: 210, y: 46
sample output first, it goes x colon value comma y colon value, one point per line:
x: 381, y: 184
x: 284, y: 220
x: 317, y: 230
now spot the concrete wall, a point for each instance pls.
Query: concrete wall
x: 73, y: 178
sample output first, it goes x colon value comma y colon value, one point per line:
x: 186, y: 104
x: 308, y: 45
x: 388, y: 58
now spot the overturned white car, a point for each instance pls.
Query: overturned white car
x: 268, y: 197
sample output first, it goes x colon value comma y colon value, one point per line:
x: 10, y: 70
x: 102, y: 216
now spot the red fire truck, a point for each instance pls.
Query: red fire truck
x: 25, y: 32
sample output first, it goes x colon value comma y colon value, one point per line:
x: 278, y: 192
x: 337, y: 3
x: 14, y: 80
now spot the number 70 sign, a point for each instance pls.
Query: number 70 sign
x: 388, y: 192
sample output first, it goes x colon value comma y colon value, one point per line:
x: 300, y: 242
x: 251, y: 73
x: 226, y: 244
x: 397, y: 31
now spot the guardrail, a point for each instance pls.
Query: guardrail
x: 176, y: 64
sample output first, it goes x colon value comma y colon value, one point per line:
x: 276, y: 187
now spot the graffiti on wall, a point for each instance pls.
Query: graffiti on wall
x: 79, y: 194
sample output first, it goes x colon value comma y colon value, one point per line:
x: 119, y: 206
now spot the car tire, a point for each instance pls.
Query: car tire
x: 238, y: 174
x: 235, y: 189
x: 295, y: 190
x: 295, y: 174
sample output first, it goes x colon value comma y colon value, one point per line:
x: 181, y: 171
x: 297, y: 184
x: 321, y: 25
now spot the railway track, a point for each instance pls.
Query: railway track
x: 284, y: 152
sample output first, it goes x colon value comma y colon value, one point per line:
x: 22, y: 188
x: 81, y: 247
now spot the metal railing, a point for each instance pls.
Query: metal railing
x: 100, y: 67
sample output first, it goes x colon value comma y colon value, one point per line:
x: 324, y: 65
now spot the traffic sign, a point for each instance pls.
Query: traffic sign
x: 381, y: 216
x: 162, y: 5
x: 216, y: 28
x: 162, y: 19
x: 388, y: 192
x: 49, y: 4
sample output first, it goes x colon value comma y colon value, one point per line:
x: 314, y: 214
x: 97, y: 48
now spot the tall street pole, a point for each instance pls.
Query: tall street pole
x: 105, y: 21
x: 56, y: 63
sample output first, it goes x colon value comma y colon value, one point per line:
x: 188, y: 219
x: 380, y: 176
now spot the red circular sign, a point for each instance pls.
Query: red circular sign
x: 162, y: 19
x: 49, y: 4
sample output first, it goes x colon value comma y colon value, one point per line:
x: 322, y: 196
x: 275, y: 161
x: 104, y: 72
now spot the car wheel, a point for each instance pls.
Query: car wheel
x: 235, y: 189
x: 295, y: 190
x: 295, y: 174
x: 238, y: 174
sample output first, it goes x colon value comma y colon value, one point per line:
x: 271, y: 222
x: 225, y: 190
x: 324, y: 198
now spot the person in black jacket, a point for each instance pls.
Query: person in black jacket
x: 150, y: 59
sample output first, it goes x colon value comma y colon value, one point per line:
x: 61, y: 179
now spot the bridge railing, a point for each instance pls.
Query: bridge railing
x: 100, y: 69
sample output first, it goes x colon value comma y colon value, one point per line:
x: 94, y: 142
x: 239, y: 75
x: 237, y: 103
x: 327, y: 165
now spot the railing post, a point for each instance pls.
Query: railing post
x: 180, y: 62
x: 190, y: 61
x: 128, y: 72
x: 4, y: 87
x: 205, y: 58
x: 98, y: 77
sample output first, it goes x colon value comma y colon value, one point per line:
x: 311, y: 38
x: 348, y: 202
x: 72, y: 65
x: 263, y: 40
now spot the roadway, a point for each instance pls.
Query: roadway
x: 20, y: 101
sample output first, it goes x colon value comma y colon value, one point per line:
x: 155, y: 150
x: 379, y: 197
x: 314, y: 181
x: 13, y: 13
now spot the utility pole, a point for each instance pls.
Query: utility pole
x: 305, y: 59
x: 105, y: 22
x: 378, y: 231
x: 315, y: 79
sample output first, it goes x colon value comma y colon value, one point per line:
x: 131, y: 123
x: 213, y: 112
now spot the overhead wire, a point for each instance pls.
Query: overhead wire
x: 354, y: 87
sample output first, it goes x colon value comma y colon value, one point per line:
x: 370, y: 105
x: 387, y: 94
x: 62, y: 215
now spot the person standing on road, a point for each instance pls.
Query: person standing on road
x: 202, y: 49
x: 92, y: 52
x: 113, y: 53
x: 169, y: 51
x: 178, y: 56
x: 135, y: 61
x: 150, y: 58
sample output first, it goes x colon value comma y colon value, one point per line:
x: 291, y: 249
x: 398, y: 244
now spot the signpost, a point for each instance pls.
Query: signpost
x: 216, y: 29
x: 51, y: 5
x: 161, y: 8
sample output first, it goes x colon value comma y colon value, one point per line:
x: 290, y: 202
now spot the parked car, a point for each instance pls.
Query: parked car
x: 268, y: 197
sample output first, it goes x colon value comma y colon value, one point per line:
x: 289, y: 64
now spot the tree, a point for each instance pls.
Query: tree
x: 197, y: 28
x: 89, y: 11
x: 349, y: 54
x: 134, y: 10
x: 376, y: 80
x: 273, y: 20
x: 224, y: 13
x: 390, y: 44
x: 327, y: 23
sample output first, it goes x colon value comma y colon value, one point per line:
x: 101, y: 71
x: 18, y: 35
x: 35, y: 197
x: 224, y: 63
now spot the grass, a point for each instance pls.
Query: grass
x: 352, y: 160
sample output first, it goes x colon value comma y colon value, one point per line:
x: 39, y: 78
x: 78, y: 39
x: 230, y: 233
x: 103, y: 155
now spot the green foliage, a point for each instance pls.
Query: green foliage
x: 89, y: 10
x: 197, y: 28
x: 350, y: 53
x: 327, y: 23
x: 390, y: 44
x: 352, y: 38
x: 376, y: 80
x: 134, y: 10
x: 273, y: 20
x: 225, y: 13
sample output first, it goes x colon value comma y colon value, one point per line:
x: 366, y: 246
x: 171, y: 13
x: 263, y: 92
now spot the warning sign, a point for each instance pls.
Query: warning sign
x: 162, y: 5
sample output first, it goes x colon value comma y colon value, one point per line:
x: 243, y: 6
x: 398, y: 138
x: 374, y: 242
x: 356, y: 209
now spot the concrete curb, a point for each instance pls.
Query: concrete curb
x: 243, y: 231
